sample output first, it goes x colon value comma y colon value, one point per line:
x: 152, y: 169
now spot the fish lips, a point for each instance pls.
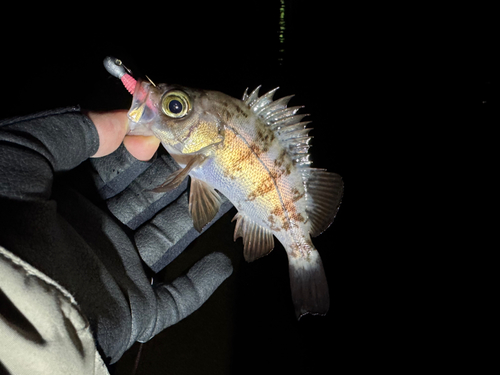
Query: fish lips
x: 143, y: 110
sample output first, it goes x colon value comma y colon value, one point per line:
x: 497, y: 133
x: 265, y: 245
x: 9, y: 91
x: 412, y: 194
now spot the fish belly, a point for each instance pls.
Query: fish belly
x: 257, y: 186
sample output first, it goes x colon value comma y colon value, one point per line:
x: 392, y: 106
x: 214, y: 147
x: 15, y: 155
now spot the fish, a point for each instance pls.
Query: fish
x: 254, y: 151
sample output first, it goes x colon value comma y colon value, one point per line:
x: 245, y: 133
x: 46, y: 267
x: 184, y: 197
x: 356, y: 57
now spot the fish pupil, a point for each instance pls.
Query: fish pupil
x: 175, y: 106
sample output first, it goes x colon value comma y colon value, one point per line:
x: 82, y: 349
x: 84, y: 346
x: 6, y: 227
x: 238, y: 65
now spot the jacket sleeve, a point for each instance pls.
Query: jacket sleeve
x: 34, y: 147
x: 41, y: 326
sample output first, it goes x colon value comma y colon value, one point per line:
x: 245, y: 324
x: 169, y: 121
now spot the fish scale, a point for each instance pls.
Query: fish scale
x: 255, y: 151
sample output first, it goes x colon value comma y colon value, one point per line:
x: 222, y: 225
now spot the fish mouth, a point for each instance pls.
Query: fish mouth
x: 143, y: 110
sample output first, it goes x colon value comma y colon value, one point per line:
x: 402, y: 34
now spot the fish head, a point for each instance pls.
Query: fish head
x: 184, y: 119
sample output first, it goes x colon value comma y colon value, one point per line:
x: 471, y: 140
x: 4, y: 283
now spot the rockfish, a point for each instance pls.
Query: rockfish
x: 255, y: 152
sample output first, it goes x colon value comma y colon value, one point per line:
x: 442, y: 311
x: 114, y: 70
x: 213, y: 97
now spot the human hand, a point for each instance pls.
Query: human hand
x: 161, y: 223
x: 58, y: 229
x: 126, y: 182
x: 112, y: 128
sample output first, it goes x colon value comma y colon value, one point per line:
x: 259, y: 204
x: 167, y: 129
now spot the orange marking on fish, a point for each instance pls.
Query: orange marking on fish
x: 263, y: 187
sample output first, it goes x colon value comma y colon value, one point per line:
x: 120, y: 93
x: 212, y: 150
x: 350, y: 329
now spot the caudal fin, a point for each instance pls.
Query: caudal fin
x: 309, y: 286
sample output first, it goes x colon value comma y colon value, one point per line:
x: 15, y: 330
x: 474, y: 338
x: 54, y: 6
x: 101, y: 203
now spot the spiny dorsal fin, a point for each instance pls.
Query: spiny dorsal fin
x: 250, y: 99
x: 323, y: 189
x: 284, y: 121
x: 257, y: 240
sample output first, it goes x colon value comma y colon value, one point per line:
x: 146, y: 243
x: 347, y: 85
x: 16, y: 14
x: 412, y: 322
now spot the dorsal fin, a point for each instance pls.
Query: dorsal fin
x: 323, y: 189
x: 284, y: 121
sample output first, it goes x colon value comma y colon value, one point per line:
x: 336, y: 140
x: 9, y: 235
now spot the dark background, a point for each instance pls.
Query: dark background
x: 364, y: 77
x: 54, y: 58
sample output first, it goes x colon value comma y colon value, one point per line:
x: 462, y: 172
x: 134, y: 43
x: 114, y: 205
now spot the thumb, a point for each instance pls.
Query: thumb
x: 187, y: 293
x: 111, y: 127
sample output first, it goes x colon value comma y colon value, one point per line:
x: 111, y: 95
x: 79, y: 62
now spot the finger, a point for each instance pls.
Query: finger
x: 111, y: 127
x: 141, y: 147
x: 187, y: 293
x: 137, y: 203
x: 116, y: 171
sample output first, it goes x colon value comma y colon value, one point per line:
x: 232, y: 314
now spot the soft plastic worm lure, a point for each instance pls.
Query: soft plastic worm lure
x: 116, y: 68
x: 141, y: 103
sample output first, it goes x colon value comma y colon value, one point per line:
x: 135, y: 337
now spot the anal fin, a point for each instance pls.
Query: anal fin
x: 257, y: 240
x: 204, y: 203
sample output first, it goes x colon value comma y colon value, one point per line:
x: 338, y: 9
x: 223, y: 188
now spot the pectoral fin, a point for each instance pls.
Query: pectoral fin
x: 204, y: 203
x: 176, y: 178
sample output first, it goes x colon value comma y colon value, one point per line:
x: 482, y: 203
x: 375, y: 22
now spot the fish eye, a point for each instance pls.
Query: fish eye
x: 175, y: 104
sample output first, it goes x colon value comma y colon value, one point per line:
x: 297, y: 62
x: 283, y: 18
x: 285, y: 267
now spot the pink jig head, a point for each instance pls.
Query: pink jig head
x: 142, y: 110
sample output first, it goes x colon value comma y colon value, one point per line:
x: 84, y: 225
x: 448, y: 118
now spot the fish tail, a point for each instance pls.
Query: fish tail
x: 308, y: 284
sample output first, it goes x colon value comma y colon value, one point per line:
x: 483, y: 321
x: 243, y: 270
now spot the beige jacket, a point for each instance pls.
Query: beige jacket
x: 42, y: 330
